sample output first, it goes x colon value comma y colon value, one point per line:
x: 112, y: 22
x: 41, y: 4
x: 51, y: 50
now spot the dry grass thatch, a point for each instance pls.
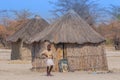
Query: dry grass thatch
x: 28, y: 29
x: 70, y: 28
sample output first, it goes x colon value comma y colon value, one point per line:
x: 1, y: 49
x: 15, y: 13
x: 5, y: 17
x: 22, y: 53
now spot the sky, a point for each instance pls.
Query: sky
x: 41, y: 7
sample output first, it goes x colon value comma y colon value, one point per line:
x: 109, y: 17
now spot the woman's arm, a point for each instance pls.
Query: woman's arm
x: 44, y: 53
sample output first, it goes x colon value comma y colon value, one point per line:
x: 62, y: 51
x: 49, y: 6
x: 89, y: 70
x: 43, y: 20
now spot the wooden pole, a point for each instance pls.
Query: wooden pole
x: 63, y: 51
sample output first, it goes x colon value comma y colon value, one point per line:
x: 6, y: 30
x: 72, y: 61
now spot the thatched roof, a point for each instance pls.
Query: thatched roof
x: 28, y: 29
x: 70, y: 28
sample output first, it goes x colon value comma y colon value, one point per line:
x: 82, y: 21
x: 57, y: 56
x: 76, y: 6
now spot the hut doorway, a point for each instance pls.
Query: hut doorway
x: 61, y: 51
x: 60, y: 57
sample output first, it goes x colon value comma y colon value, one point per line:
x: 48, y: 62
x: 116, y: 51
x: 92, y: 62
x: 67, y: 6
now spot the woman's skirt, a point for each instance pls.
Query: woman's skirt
x: 49, y: 62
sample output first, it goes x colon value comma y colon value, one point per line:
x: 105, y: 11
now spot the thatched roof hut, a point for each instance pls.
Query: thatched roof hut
x: 70, y: 28
x: 72, y: 38
x: 27, y: 30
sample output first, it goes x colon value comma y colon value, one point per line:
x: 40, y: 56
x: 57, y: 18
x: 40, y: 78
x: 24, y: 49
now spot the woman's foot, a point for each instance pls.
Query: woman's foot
x: 48, y: 74
x: 51, y: 75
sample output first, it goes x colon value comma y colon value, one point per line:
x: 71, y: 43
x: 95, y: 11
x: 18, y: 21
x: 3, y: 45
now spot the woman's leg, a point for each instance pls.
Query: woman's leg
x: 51, y: 67
x: 47, y: 70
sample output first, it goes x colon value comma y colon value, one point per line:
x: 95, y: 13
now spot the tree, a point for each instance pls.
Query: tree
x: 2, y: 35
x: 6, y: 16
x: 87, y: 9
x: 109, y: 31
x: 2, y: 31
x: 115, y: 12
x: 11, y: 19
x: 22, y: 15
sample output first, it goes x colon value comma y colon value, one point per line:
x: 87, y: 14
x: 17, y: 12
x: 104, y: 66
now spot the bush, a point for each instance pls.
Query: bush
x: 109, y: 42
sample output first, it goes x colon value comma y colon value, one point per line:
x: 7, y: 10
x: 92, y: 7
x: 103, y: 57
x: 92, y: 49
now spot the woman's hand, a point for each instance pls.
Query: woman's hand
x: 44, y: 55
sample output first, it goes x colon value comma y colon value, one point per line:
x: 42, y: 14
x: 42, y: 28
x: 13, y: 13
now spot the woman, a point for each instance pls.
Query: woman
x: 49, y: 54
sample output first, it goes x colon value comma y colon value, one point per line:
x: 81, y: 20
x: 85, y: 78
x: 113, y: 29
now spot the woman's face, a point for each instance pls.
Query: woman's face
x: 49, y: 47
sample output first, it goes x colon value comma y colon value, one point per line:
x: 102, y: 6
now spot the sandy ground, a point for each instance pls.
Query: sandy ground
x: 20, y: 70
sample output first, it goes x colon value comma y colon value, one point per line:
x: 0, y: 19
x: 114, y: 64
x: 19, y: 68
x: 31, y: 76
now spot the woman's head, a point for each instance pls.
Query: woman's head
x: 49, y: 47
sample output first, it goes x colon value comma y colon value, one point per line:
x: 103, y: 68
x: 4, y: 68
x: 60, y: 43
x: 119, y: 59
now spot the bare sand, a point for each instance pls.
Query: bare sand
x: 20, y: 70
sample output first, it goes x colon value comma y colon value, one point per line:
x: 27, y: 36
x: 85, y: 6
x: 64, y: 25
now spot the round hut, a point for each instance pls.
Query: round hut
x: 21, y: 50
x: 72, y: 39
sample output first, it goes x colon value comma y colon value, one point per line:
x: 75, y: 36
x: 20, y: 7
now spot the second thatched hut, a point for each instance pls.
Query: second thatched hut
x: 21, y: 50
x: 72, y: 39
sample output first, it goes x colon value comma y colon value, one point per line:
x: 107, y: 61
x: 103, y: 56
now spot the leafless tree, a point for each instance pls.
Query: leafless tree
x: 9, y: 15
x: 22, y: 15
x: 87, y: 9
